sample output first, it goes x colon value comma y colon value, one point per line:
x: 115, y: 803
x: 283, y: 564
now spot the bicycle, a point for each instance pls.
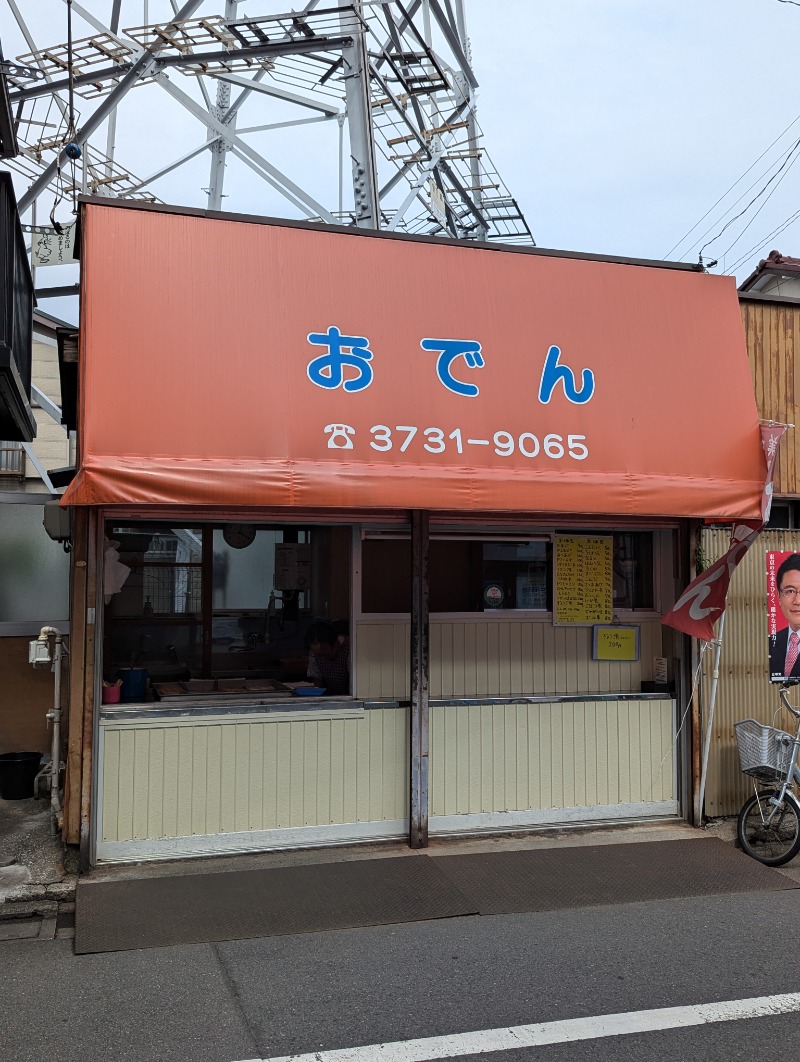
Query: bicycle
x: 768, y: 828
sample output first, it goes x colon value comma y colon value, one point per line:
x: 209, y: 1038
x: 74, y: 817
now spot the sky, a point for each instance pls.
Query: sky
x: 617, y: 124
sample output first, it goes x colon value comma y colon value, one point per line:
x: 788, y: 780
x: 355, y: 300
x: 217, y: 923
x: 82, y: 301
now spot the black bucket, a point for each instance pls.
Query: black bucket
x: 17, y: 773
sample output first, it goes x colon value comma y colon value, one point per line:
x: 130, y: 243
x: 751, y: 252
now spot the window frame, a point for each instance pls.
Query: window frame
x: 661, y: 548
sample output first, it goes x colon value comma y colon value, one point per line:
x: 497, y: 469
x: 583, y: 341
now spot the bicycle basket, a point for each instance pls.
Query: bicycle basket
x: 764, y: 751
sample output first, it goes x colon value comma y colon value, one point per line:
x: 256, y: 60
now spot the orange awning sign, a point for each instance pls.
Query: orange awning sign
x: 347, y: 370
x: 350, y: 364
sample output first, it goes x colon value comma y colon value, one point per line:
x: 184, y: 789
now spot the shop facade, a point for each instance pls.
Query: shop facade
x: 483, y: 467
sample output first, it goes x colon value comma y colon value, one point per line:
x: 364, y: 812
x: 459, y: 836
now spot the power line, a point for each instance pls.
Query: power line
x: 736, y: 202
x: 761, y: 243
x: 750, y: 222
x: 737, y: 181
x: 758, y: 195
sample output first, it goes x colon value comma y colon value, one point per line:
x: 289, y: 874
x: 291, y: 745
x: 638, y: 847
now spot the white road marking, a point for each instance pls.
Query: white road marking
x: 486, y: 1041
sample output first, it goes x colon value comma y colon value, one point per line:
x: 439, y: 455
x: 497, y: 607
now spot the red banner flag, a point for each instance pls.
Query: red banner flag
x: 703, y: 601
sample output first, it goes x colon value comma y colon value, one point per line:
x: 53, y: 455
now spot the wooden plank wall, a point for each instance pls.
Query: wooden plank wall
x: 744, y: 690
x: 772, y: 331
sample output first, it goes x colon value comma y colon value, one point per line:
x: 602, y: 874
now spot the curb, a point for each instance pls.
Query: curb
x: 28, y: 900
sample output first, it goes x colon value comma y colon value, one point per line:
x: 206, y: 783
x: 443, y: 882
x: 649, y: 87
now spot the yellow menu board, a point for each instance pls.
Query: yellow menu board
x: 583, y: 579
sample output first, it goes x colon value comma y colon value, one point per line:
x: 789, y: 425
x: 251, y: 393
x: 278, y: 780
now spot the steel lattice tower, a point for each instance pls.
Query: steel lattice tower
x: 396, y: 77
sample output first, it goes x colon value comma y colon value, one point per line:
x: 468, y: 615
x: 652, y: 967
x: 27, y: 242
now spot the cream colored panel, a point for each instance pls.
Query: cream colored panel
x: 127, y: 761
x: 227, y: 780
x: 519, y: 757
x: 110, y: 786
x: 498, y: 658
x: 169, y: 824
x: 382, y: 660
x: 212, y: 777
x: 213, y: 800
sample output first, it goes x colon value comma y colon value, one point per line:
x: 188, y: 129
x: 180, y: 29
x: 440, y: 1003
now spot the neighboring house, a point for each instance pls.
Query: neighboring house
x: 775, y: 275
x: 34, y: 569
x: 770, y: 305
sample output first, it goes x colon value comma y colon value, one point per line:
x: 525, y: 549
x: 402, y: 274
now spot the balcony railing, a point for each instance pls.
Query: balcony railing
x: 12, y: 460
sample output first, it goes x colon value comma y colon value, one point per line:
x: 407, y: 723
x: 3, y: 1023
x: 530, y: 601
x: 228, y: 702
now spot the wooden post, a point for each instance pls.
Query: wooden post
x: 420, y: 673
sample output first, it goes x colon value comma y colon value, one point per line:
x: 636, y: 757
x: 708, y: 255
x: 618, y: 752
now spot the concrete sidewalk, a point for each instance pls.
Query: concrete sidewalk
x: 36, y: 871
x: 38, y: 875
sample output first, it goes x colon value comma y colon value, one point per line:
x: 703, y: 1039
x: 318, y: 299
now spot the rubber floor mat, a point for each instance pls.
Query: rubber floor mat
x: 549, y: 879
x: 197, y: 908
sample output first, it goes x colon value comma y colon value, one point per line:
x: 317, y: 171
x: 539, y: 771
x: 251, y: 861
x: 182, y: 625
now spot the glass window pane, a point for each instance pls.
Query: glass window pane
x: 517, y: 575
x: 244, y: 576
x: 34, y: 573
x: 465, y: 575
x: 386, y: 575
x: 165, y: 570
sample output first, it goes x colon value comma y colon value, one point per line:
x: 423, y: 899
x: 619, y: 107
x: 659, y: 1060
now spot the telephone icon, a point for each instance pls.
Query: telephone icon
x: 340, y: 436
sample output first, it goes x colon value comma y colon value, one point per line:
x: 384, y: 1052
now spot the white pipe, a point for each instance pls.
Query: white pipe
x: 54, y: 716
x: 712, y: 703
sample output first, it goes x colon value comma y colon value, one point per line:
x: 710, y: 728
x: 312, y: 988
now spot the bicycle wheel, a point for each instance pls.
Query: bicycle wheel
x: 772, y: 842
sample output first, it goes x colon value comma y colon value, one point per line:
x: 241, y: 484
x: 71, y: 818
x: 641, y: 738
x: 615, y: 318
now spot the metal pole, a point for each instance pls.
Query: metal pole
x: 359, y: 122
x: 55, y: 749
x: 218, y: 146
x: 711, y: 706
x: 420, y: 670
x: 472, y: 127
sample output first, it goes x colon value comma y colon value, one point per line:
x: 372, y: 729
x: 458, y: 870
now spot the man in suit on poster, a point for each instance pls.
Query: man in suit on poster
x: 784, y: 645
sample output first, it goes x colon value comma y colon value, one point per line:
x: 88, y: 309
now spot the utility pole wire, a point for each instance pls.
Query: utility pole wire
x: 750, y: 222
x: 738, y: 179
x: 761, y: 243
x: 758, y: 195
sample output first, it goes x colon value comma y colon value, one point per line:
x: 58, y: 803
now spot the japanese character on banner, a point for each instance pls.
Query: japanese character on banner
x: 703, y: 601
x: 449, y: 351
x: 350, y: 353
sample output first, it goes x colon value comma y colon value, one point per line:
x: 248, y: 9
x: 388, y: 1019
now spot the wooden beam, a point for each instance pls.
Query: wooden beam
x: 420, y: 679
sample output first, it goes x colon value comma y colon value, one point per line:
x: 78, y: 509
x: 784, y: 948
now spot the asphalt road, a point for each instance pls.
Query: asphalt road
x: 258, y: 999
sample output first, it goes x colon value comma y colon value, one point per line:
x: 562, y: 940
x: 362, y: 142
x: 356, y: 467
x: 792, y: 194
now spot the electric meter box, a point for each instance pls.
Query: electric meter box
x: 39, y: 653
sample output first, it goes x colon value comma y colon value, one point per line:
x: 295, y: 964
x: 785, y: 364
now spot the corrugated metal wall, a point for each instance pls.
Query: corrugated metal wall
x: 772, y: 331
x: 744, y: 688
x: 516, y: 757
x: 483, y: 658
x: 198, y: 777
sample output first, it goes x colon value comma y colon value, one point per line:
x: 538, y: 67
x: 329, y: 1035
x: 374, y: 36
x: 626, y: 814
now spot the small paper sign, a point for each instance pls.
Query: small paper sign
x: 615, y: 643
x: 53, y: 248
x: 660, y: 670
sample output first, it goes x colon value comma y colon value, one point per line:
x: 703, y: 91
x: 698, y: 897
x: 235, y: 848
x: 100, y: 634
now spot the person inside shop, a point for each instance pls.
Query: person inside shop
x: 329, y: 657
x: 784, y: 645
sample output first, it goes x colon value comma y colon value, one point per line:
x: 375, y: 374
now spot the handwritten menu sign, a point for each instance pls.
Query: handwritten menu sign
x: 583, y: 579
x: 292, y: 566
x: 615, y: 643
